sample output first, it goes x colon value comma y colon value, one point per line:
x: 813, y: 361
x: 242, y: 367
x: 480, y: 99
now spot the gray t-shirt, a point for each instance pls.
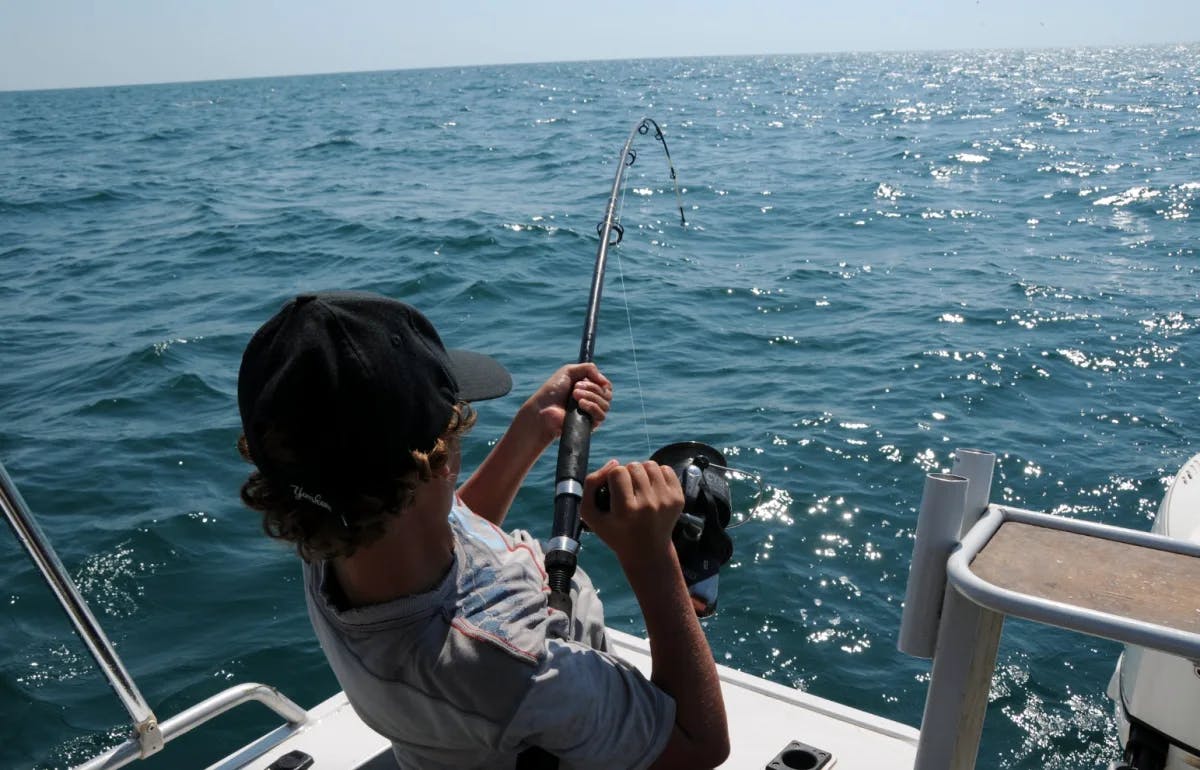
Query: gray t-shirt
x: 478, y: 669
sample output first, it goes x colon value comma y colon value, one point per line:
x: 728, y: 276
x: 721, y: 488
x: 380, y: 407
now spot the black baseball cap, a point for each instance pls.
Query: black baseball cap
x: 338, y: 387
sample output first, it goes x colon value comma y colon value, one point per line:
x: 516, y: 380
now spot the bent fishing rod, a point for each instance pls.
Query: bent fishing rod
x: 563, y: 549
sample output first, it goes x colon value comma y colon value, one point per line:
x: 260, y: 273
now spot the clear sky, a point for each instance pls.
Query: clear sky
x: 69, y: 43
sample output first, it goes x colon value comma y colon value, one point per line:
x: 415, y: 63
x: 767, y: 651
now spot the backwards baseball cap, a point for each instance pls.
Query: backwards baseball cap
x: 338, y: 388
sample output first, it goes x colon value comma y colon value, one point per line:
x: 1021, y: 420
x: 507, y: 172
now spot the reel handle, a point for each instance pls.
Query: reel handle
x: 692, y: 525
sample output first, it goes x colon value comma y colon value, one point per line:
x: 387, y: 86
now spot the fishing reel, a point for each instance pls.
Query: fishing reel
x: 700, y: 536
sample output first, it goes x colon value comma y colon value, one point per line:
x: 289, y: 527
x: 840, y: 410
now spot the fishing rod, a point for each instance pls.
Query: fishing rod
x: 563, y: 549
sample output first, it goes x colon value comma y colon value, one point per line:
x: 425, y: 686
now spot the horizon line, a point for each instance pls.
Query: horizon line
x: 482, y: 65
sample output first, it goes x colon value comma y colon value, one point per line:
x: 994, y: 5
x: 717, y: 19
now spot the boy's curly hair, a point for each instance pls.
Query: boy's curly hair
x: 360, y: 518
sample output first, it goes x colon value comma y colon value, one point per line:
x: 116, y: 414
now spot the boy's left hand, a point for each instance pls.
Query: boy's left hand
x: 583, y: 382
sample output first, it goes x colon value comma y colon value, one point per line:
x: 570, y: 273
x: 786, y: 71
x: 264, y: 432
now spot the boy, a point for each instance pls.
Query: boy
x: 434, y: 620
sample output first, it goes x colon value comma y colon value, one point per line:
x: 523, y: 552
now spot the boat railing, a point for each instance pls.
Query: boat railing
x: 130, y: 750
x: 148, y: 736
x: 974, y: 563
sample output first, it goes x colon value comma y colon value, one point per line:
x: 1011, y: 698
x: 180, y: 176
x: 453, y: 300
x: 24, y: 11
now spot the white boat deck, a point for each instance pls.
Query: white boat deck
x: 764, y: 718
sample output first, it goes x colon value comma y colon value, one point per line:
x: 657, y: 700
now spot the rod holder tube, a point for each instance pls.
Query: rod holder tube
x: 30, y: 535
x: 938, y: 522
x: 976, y: 466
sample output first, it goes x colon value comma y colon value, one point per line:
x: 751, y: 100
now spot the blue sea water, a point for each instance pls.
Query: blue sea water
x: 888, y: 256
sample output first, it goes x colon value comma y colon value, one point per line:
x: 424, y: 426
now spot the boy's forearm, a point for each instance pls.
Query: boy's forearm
x: 682, y: 662
x: 490, y: 490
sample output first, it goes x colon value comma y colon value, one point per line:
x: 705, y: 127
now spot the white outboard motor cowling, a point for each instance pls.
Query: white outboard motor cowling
x: 1157, y: 696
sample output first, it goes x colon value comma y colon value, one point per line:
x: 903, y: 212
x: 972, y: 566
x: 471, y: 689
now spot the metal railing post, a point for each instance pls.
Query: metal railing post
x: 16, y: 512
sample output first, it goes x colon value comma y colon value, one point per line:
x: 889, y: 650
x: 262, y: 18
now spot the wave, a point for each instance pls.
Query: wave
x: 166, y: 135
x: 67, y: 200
x: 334, y: 144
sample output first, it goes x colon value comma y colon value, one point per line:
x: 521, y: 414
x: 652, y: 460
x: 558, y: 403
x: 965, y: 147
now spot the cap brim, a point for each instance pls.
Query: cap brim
x: 479, y: 377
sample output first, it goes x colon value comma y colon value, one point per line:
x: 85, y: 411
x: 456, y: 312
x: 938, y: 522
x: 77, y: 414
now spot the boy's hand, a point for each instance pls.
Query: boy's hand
x: 646, y: 502
x: 583, y: 382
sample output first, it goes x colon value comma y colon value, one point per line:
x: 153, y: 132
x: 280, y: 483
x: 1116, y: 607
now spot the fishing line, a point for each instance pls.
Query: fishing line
x: 637, y: 374
x: 732, y: 473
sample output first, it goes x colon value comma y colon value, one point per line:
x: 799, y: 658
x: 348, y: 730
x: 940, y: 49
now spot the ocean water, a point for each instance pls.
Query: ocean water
x: 888, y: 256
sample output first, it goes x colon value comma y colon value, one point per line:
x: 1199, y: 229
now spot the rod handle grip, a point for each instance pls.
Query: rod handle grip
x: 574, y: 445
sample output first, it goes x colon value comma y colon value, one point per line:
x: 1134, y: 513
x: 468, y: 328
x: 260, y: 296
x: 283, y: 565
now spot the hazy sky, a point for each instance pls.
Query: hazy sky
x: 67, y: 43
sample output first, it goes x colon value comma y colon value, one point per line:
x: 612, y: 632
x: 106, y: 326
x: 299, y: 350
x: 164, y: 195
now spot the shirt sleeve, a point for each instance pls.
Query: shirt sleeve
x: 592, y: 710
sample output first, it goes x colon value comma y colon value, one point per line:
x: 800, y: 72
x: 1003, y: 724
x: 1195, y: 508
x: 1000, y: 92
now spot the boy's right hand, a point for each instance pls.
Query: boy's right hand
x: 646, y: 501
